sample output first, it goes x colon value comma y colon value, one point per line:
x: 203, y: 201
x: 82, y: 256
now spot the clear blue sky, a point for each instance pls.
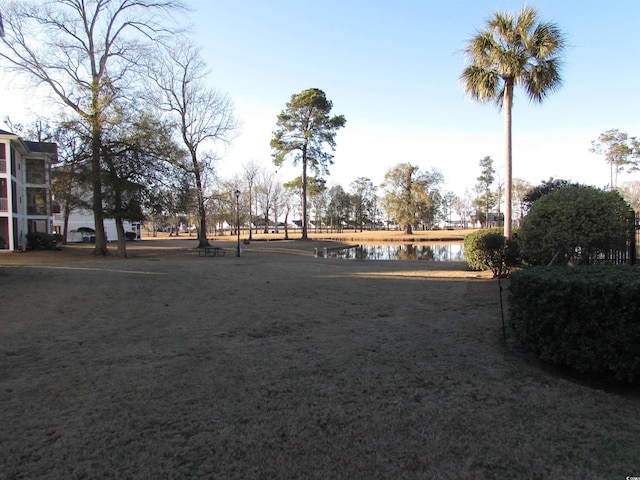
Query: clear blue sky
x: 392, y: 68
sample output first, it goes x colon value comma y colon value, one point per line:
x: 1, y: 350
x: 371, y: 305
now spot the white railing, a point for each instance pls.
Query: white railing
x: 4, y: 205
x: 3, y: 166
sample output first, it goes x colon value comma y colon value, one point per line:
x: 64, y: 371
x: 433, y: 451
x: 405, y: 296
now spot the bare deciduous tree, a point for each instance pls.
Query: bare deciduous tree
x: 84, y: 51
x: 250, y: 172
x: 202, y: 114
x: 264, y: 195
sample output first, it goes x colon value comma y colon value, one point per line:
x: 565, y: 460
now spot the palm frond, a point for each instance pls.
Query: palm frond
x: 542, y: 79
x: 479, y: 83
x: 526, y: 22
x: 502, y: 25
x: 480, y: 48
x: 545, y: 41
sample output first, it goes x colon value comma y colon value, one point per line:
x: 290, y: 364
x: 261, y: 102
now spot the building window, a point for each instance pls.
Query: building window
x: 38, y: 226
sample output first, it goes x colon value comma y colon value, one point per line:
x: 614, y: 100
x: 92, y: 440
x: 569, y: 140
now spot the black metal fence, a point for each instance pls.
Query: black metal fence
x: 634, y: 246
x: 628, y: 251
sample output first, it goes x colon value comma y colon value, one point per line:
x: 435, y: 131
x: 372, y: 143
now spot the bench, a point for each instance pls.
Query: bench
x: 212, y: 252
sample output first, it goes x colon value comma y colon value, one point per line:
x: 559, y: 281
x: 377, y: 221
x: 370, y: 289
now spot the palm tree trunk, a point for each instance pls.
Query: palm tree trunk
x: 508, y: 102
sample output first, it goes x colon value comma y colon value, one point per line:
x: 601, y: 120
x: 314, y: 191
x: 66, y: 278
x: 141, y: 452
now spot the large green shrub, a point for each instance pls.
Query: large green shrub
x: 41, y: 240
x: 586, y: 318
x: 545, y: 188
x: 576, y: 224
x: 490, y: 250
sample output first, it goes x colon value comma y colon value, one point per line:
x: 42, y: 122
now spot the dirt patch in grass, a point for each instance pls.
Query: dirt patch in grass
x: 280, y: 365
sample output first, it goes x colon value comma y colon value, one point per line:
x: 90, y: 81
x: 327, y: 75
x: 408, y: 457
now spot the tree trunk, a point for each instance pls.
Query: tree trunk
x: 508, y: 102
x: 275, y: 216
x: 286, y: 225
x: 65, y: 227
x: 122, y: 240
x: 250, y: 215
x: 256, y: 214
x: 611, y: 175
x: 202, y: 213
x: 96, y: 172
x: 486, y: 209
x: 304, y: 192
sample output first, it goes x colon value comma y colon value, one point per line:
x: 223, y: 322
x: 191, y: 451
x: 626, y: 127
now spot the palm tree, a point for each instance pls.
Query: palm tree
x: 513, y: 51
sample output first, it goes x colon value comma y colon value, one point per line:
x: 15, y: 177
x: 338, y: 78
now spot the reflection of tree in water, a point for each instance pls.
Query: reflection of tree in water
x: 405, y: 253
x: 414, y: 252
x: 445, y: 253
x: 448, y: 253
x: 425, y: 253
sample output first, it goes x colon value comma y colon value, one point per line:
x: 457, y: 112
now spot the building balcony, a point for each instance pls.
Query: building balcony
x: 36, y: 210
x: 36, y: 178
x: 4, y: 204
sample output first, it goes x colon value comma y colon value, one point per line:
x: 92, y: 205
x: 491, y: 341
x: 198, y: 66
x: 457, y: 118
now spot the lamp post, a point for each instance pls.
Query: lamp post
x: 237, y: 192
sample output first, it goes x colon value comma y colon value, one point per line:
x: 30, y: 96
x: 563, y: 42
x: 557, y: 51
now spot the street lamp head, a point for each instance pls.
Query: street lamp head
x: 237, y: 192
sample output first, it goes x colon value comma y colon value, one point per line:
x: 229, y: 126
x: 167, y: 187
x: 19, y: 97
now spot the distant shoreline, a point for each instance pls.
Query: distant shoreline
x: 349, y: 236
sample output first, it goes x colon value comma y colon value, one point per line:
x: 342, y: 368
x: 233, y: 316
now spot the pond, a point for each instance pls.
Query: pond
x: 437, y: 252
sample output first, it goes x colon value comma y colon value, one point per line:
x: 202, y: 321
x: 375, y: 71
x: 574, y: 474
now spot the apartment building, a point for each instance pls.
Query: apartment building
x: 25, y: 189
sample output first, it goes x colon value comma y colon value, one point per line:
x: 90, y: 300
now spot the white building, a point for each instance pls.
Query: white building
x: 81, y: 227
x: 25, y: 189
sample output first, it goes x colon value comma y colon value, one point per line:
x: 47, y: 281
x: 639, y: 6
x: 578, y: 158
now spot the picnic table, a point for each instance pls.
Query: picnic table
x: 212, y: 252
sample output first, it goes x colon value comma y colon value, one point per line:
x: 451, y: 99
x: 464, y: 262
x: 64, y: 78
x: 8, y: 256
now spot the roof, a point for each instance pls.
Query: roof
x: 25, y: 147
x: 42, y: 147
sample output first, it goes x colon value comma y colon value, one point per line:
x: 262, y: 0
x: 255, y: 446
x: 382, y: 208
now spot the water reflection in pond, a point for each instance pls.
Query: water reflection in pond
x: 430, y: 252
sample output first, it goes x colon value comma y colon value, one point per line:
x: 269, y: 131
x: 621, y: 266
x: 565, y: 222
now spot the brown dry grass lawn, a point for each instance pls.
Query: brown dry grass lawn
x: 276, y: 365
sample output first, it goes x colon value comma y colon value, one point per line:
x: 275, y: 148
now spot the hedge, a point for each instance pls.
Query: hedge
x: 586, y: 318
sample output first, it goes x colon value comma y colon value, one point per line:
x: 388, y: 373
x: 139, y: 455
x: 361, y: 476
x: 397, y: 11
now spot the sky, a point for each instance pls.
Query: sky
x: 392, y: 68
